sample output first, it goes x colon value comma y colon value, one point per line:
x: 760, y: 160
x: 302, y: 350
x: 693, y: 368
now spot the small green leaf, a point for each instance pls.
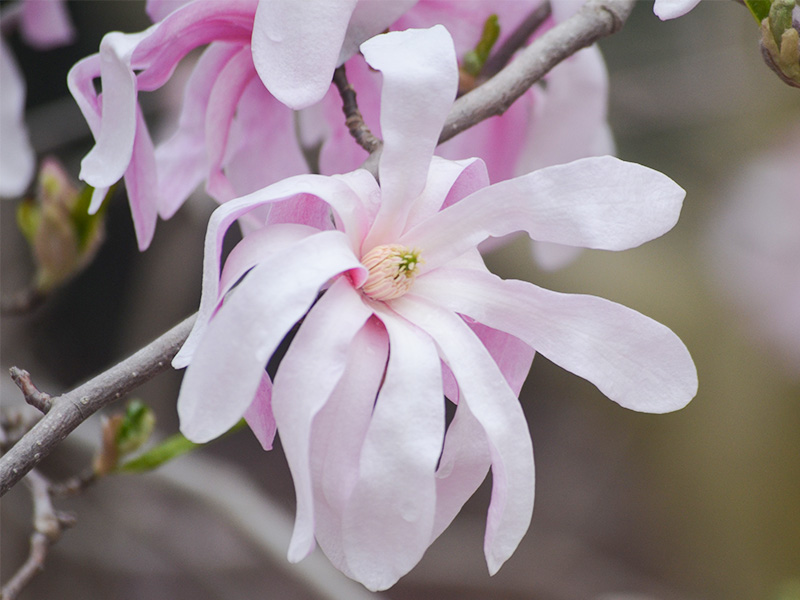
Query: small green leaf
x: 87, y: 227
x: 136, y: 427
x: 759, y: 8
x: 172, y: 447
x: 475, y: 59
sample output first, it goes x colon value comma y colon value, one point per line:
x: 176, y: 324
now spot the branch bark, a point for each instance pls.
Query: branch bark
x: 595, y: 20
x: 73, y: 408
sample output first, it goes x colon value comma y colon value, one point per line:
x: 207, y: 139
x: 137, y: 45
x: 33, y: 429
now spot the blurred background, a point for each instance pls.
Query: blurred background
x: 700, y: 504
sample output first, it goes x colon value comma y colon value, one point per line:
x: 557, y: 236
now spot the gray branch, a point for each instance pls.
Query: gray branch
x: 595, y: 20
x: 73, y: 408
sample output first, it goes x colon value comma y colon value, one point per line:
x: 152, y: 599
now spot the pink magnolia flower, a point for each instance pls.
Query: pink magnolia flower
x: 233, y: 132
x: 43, y: 24
x: 410, y: 314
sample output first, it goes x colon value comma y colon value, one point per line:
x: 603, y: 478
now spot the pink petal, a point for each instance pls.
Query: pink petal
x: 389, y: 516
x: 108, y: 160
x: 227, y: 367
x: 493, y: 404
x: 182, y: 159
x: 17, y: 159
x: 158, y: 10
x: 46, y: 24
x: 513, y: 356
x: 296, y: 47
x: 141, y: 184
x: 338, y: 435
x: 225, y: 94
x: 602, y: 203
x: 632, y: 359
x: 336, y: 193
x: 305, y: 380
x: 259, y: 414
x: 569, y: 119
x: 414, y: 104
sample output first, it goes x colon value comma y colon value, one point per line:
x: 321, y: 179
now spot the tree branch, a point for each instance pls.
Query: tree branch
x: 502, y: 56
x: 48, y: 525
x: 38, y: 399
x: 73, y: 408
x: 595, y: 20
x: 353, y: 118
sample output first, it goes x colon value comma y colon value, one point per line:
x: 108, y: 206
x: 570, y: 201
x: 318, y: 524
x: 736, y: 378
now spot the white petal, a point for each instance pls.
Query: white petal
x: 226, y: 368
x: 414, y: 104
x: 601, y: 202
x: 389, y: 517
x: 296, y: 47
x: 495, y: 406
x: 634, y: 360
x: 17, y: 159
x: 305, y: 379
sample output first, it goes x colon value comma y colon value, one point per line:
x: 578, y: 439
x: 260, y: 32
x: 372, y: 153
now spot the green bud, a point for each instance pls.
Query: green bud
x: 780, y: 41
x: 474, y: 60
x: 63, y: 236
x: 136, y: 427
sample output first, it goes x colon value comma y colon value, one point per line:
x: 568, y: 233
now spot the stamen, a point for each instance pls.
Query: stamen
x: 392, y: 269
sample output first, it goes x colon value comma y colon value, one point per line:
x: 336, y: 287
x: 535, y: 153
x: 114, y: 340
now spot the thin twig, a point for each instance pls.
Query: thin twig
x: 48, y: 525
x: 595, y: 20
x: 74, y: 407
x: 353, y: 118
x: 501, y: 57
x: 33, y: 396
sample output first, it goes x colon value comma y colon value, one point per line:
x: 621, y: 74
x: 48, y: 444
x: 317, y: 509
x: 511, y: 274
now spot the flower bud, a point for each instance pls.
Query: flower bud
x: 780, y: 40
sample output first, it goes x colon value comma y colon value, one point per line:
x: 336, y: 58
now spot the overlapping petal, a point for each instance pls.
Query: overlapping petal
x: 240, y: 339
x: 634, y: 360
x: 602, y: 203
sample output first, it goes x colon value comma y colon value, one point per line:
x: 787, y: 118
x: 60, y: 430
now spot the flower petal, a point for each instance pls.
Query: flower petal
x: 671, y: 9
x: 600, y: 202
x: 335, y: 192
x: 414, y: 105
x: 485, y: 391
x: 338, y: 435
x: 259, y: 414
x: 369, y: 18
x: 17, y: 159
x: 226, y: 368
x: 306, y: 377
x: 108, y: 160
x: 634, y: 360
x: 46, y: 25
x: 465, y: 461
x: 141, y: 184
x: 181, y: 160
x: 389, y: 517
x: 296, y: 47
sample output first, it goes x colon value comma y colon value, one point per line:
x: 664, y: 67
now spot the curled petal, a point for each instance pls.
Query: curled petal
x: 259, y: 414
x: 634, y: 360
x: 389, y: 516
x: 227, y: 367
x: 602, y: 203
x: 414, y: 104
x: 306, y: 377
x: 493, y: 404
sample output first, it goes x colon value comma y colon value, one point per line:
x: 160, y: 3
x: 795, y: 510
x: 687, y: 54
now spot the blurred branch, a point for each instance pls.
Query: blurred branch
x: 595, y: 20
x: 48, y: 525
x: 73, y: 408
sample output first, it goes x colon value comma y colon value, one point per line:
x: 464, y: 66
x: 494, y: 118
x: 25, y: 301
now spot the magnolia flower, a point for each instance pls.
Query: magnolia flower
x: 410, y: 314
x: 43, y: 24
x: 235, y: 132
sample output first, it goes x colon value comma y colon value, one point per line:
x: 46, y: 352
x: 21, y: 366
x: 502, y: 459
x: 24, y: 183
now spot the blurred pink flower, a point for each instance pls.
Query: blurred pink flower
x: 43, y: 25
x: 409, y: 313
x: 754, y: 246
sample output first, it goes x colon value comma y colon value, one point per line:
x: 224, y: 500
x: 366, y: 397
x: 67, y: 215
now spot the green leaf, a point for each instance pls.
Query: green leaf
x: 759, y: 8
x: 136, y: 427
x: 87, y: 226
x: 475, y: 59
x: 172, y: 447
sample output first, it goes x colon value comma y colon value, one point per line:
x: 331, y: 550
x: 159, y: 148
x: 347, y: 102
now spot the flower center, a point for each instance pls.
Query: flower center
x: 392, y: 269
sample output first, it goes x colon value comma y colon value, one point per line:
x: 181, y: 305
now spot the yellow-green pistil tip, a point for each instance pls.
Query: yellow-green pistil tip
x: 392, y: 269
